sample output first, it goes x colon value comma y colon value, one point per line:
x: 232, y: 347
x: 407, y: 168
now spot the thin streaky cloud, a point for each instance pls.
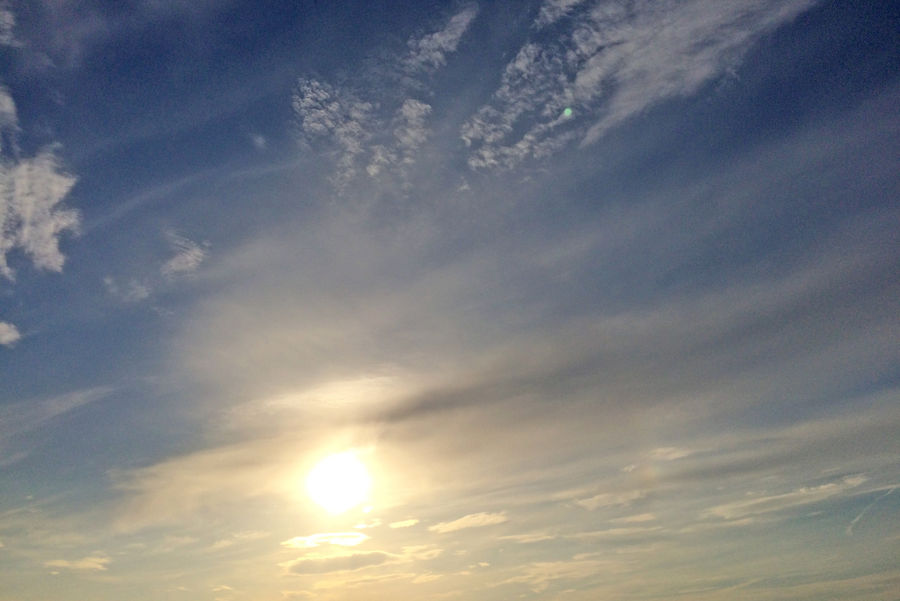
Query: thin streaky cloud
x: 339, y: 563
x: 93, y: 563
x: 473, y: 520
x: 866, y: 509
x: 779, y: 502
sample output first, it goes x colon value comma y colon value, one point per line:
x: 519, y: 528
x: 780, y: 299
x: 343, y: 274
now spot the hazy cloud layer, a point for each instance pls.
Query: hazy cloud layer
x: 598, y: 325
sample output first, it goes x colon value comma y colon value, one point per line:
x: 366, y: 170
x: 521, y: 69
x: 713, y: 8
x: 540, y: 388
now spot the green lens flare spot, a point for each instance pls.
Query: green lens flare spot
x: 567, y: 112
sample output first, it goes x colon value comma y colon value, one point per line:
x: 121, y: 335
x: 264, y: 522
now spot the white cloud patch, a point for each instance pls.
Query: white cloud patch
x: 31, y: 191
x: 429, y: 52
x: 31, y: 218
x: 92, y: 563
x: 337, y: 563
x: 473, y: 520
x: 9, y: 334
x: 343, y: 539
x: 188, y: 256
x: 613, y: 62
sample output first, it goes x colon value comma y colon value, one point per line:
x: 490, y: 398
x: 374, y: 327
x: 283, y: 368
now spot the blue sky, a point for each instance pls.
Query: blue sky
x: 602, y: 296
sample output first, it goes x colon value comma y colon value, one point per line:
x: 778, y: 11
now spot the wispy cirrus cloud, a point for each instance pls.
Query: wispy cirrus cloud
x: 187, y: 258
x: 611, y: 63
x: 24, y: 416
x: 800, y: 496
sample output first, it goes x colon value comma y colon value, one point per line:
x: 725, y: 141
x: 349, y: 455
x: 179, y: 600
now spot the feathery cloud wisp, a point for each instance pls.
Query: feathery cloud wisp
x: 188, y: 256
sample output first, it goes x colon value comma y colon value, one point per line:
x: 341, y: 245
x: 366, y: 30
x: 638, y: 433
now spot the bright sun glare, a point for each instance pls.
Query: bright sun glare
x: 339, y: 482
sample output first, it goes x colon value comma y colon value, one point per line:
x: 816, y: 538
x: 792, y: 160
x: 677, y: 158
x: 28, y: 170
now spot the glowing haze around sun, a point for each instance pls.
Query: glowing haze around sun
x: 339, y: 482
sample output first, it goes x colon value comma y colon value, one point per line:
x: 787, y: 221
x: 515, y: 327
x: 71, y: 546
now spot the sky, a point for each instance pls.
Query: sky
x: 562, y: 300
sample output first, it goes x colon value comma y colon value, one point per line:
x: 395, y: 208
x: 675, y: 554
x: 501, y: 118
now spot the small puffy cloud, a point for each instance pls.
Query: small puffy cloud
x: 336, y: 563
x: 188, y: 256
x: 9, y: 334
x: 344, y: 539
x: 473, y: 520
x: 403, y: 523
x: 93, y: 563
x: 131, y: 292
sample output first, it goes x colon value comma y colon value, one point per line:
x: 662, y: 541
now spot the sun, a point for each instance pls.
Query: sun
x: 339, y: 482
